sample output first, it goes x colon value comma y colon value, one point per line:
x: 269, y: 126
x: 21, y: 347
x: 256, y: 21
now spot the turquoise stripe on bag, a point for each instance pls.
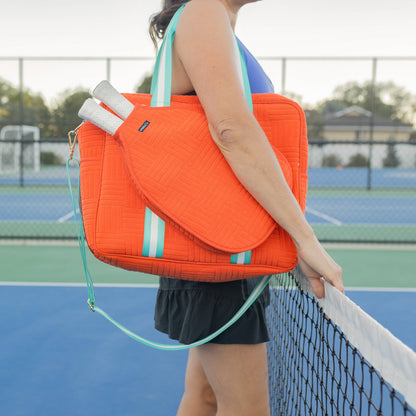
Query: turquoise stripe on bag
x: 241, y: 258
x: 160, y: 238
x: 153, y: 236
x: 146, y: 234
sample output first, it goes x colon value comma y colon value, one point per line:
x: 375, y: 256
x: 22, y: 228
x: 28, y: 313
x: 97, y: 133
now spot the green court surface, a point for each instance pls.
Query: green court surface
x: 59, y: 264
x: 363, y: 266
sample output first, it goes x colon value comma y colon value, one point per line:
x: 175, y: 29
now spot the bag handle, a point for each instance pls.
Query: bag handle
x: 162, y: 76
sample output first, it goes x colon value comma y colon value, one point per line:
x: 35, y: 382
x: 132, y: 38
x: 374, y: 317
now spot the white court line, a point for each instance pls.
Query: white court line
x: 324, y: 216
x: 153, y: 285
x: 67, y: 216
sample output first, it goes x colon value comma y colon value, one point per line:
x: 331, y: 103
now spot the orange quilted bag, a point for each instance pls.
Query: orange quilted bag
x: 157, y: 196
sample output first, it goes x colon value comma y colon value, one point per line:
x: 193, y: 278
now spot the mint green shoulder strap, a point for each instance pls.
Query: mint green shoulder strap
x: 162, y: 75
x: 91, y: 296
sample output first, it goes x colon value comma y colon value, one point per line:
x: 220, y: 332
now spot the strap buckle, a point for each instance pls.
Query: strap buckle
x: 91, y: 303
x: 72, y: 139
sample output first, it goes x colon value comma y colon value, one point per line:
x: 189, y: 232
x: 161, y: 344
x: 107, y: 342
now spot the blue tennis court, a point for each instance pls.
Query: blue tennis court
x: 396, y: 178
x: 333, y: 198
x: 58, y: 357
x: 338, y: 209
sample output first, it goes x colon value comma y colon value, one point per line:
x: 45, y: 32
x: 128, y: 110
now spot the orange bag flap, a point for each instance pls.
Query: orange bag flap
x: 185, y: 179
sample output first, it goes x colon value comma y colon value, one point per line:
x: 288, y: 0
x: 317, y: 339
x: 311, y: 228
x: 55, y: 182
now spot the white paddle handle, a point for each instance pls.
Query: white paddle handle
x: 106, y: 93
x: 97, y: 115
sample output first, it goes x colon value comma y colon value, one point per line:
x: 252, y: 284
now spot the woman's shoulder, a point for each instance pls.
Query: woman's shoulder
x: 213, y: 6
x: 197, y: 12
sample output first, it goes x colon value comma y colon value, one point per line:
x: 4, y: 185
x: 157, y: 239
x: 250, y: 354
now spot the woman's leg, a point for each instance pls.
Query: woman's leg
x: 238, y: 376
x: 198, y: 398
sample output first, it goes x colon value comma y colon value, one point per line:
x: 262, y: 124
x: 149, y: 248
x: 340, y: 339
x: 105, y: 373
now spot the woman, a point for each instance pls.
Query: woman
x: 229, y: 375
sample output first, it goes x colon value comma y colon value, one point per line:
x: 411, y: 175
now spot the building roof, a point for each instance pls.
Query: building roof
x: 357, y: 117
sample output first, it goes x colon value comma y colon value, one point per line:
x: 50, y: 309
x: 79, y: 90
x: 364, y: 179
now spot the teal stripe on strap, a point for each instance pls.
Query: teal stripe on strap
x: 153, y: 236
x: 162, y: 77
x: 154, y: 89
x: 160, y: 237
x: 241, y: 258
x: 246, y: 81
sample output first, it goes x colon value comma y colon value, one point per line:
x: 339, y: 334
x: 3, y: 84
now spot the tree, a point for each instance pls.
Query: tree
x: 314, y: 123
x: 391, y: 160
x: 35, y: 110
x: 65, y: 114
x: 144, y: 86
x: 391, y: 101
x: 357, y: 161
x: 331, y: 161
x: 330, y: 106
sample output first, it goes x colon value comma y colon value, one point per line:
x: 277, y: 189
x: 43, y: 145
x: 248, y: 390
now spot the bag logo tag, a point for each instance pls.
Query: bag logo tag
x: 144, y: 126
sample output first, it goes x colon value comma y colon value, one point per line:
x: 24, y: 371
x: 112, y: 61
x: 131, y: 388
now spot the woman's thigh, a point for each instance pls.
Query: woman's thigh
x: 238, y: 375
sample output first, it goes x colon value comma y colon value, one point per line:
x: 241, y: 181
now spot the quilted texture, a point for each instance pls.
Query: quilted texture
x: 173, y: 167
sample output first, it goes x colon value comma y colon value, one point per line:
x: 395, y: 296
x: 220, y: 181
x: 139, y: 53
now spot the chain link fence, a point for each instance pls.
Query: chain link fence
x: 362, y: 167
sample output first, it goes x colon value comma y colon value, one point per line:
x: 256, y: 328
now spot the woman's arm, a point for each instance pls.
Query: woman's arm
x: 206, y: 54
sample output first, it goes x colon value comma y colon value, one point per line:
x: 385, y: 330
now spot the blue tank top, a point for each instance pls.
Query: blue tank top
x: 259, y: 81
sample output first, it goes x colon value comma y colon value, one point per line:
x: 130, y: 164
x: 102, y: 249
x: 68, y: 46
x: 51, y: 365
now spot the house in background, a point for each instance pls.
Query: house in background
x: 353, y: 123
x: 346, y: 136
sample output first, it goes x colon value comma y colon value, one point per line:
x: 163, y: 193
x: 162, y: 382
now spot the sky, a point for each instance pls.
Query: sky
x: 86, y: 28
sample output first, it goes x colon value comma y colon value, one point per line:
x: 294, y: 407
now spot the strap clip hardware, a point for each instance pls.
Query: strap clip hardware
x: 72, y: 139
x: 91, y: 303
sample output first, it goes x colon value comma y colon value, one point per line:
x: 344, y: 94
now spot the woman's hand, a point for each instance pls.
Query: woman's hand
x: 316, y: 264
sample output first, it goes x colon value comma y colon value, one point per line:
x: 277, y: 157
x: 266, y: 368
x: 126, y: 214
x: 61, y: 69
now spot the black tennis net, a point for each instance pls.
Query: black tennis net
x: 314, y: 369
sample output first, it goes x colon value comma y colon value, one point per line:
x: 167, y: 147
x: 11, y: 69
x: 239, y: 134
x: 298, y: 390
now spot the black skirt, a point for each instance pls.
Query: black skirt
x: 188, y: 311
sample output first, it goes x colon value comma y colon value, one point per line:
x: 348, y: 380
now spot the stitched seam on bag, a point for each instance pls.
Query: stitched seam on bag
x: 100, y: 188
x: 205, y: 243
x: 226, y: 265
x: 208, y: 244
x: 302, y: 131
x: 212, y: 244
